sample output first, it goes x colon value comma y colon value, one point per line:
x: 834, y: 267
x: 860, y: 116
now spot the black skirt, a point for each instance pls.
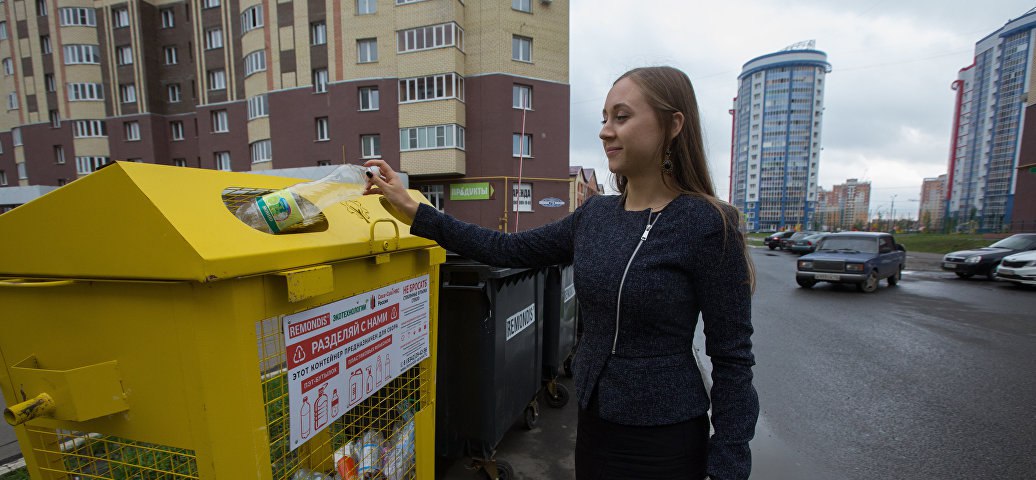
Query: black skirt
x: 607, y: 451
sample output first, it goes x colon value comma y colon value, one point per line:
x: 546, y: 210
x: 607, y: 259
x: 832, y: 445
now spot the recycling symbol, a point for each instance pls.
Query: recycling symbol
x: 300, y: 355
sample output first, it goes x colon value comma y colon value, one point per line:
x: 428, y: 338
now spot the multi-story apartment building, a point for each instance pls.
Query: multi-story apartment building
x: 777, y: 119
x: 933, y: 203
x: 844, y: 207
x: 463, y: 95
x: 988, y: 115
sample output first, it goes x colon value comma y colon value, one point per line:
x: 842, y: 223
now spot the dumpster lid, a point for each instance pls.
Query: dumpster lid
x: 144, y: 221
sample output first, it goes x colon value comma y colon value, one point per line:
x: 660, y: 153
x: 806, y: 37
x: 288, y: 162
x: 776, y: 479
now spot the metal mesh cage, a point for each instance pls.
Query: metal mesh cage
x: 96, y: 456
x: 377, y: 434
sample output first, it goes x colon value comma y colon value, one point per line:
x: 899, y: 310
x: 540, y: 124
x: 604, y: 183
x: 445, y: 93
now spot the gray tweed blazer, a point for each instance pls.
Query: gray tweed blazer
x: 641, y: 364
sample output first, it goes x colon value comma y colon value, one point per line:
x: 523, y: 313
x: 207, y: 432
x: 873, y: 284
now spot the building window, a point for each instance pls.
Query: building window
x: 367, y: 49
x: 167, y: 17
x: 3, y: 30
x: 369, y: 100
x: 85, y: 165
x: 174, y: 93
x: 170, y: 54
x: 8, y: 66
x: 210, y: 4
x: 214, y: 38
x: 434, y: 36
x: 120, y: 17
x: 258, y: 106
x: 320, y: 80
x: 176, y: 130
x: 435, y: 87
x: 521, y: 48
x: 78, y: 17
x: 435, y: 194
x: 521, y: 197
x: 217, y: 80
x: 41, y: 8
x: 251, y: 19
x: 223, y: 161
x: 219, y: 121
x: 431, y: 137
x: 370, y: 146
x: 59, y: 154
x: 55, y: 119
x: 318, y: 33
x: 45, y: 47
x: 521, y: 97
x: 128, y: 93
x: 12, y: 101
x: 366, y: 7
x: 85, y: 92
x: 124, y: 55
x: 179, y: 162
x: 261, y: 151
x: 82, y: 54
x: 522, y: 5
x: 48, y: 80
x: 16, y: 136
x: 3, y: 178
x: 255, y: 62
x: 22, y: 173
x: 132, y: 130
x: 321, y: 126
x: 519, y: 147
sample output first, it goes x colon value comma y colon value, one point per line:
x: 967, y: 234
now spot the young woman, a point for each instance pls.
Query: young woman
x: 647, y: 263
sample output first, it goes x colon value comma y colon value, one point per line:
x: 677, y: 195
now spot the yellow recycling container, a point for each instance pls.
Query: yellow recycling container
x: 149, y: 333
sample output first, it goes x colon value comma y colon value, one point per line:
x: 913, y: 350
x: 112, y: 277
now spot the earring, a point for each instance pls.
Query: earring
x: 667, y: 162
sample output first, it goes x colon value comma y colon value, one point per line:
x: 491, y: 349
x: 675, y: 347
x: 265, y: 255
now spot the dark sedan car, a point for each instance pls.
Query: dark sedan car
x: 774, y: 241
x: 807, y: 244
x: 788, y: 242
x: 983, y: 261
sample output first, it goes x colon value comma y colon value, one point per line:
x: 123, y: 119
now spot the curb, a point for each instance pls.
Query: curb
x: 10, y: 467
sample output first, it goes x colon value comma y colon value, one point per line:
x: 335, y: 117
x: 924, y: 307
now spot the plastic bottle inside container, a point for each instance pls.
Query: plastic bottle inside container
x: 301, y: 205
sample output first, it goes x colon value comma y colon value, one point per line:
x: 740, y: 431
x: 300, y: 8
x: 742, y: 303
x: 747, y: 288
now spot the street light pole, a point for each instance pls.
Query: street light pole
x: 892, y: 213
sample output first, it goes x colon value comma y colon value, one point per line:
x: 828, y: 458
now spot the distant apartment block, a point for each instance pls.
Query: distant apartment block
x: 452, y: 92
x: 987, y: 128
x: 845, y: 207
x: 932, y: 207
x: 777, y: 122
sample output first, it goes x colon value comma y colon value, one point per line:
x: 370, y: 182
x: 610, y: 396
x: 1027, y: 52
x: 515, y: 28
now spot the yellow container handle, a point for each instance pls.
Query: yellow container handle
x: 384, y: 244
x: 41, y: 406
x: 23, y: 283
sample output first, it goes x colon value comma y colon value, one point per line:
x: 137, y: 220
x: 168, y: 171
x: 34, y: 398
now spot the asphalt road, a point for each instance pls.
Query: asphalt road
x: 929, y: 379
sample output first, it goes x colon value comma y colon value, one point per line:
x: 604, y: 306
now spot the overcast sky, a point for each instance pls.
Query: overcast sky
x: 888, y: 101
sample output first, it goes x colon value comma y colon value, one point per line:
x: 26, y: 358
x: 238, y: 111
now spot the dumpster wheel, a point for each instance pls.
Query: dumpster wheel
x: 558, y: 397
x: 532, y: 414
x: 496, y: 470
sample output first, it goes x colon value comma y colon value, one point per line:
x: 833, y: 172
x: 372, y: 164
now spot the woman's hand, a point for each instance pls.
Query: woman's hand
x: 390, y: 186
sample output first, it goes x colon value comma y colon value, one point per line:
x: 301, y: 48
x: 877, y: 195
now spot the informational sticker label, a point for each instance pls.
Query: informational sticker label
x: 520, y: 321
x: 279, y: 209
x: 341, y: 353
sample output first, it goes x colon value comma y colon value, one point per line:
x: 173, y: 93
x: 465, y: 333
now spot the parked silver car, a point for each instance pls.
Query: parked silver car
x: 1019, y: 268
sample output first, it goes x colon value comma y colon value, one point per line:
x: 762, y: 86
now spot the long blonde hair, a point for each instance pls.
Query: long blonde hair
x: 669, y: 90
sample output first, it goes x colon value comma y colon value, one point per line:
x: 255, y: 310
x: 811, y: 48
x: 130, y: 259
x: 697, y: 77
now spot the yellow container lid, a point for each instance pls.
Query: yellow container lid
x: 137, y: 221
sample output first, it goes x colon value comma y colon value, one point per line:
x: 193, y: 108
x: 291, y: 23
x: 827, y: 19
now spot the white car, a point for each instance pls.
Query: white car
x: 1019, y: 268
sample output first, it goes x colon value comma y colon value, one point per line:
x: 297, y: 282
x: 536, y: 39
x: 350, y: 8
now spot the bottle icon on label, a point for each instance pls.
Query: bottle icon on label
x: 355, y: 385
x: 370, y: 379
x: 378, y: 373
x: 334, y: 403
x: 304, y: 414
x: 388, y: 367
x: 320, y: 419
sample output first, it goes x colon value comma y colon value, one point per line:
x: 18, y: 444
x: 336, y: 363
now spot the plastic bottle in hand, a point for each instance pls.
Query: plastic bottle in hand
x: 300, y: 206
